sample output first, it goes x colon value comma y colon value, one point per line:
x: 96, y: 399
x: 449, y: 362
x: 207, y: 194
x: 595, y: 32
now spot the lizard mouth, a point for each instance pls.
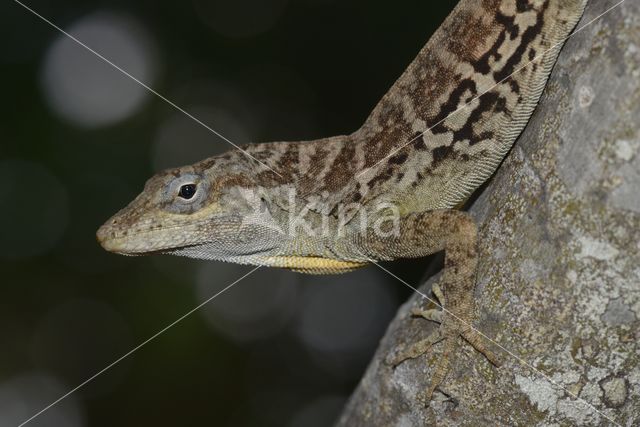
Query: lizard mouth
x: 129, y: 247
x: 120, y: 245
x: 147, y: 241
x: 133, y: 244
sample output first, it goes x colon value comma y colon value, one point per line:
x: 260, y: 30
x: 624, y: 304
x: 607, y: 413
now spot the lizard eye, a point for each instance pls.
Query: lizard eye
x: 187, y: 191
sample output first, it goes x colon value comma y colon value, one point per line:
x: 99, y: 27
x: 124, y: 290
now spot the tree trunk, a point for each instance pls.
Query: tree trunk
x: 559, y: 276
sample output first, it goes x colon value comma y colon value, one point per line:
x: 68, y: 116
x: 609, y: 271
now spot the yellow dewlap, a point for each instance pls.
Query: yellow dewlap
x: 313, y: 265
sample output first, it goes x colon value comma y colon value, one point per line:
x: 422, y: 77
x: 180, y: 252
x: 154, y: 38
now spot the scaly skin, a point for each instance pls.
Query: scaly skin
x: 384, y: 192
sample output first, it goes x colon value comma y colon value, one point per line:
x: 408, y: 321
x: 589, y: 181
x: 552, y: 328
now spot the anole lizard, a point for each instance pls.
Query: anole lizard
x: 388, y: 190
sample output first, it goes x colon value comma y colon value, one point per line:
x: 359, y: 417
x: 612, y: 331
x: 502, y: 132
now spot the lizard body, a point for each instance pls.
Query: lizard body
x: 384, y: 192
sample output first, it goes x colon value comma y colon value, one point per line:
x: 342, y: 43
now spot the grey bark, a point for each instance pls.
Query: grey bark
x: 559, y: 276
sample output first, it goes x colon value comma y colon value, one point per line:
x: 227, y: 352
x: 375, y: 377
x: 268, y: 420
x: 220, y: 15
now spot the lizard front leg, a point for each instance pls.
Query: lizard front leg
x: 421, y: 234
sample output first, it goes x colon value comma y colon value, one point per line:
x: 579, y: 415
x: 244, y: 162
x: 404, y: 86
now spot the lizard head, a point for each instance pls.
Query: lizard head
x: 198, y: 211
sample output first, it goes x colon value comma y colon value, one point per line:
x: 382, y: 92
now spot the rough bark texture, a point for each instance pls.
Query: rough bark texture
x: 559, y: 278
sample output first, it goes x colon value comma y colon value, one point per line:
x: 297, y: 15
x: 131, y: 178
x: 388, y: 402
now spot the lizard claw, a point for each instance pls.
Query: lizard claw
x: 433, y: 314
x: 448, y: 333
x: 477, y: 341
x: 415, y: 350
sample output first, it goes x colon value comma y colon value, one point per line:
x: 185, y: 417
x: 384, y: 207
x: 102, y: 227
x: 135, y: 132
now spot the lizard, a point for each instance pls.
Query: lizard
x: 389, y: 190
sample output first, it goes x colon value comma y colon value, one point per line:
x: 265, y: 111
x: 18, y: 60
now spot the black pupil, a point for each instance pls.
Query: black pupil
x: 187, y: 191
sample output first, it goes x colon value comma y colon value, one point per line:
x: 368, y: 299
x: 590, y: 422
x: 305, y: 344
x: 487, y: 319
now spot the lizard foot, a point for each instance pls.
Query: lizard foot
x: 421, y: 347
x: 451, y: 326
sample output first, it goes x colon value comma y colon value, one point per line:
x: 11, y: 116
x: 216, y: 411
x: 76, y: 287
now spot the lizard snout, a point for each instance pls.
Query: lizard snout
x: 109, y: 234
x: 104, y: 235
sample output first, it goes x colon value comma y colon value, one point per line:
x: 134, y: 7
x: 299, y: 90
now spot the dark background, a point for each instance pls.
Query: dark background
x: 78, y: 141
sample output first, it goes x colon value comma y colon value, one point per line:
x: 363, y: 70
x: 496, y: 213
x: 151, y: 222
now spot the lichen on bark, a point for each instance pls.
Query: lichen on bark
x: 559, y: 276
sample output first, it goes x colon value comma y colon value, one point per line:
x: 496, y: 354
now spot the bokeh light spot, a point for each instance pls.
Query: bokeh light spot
x: 78, y: 338
x: 23, y: 396
x: 85, y: 90
x: 342, y: 319
x: 257, y: 307
x: 181, y: 141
